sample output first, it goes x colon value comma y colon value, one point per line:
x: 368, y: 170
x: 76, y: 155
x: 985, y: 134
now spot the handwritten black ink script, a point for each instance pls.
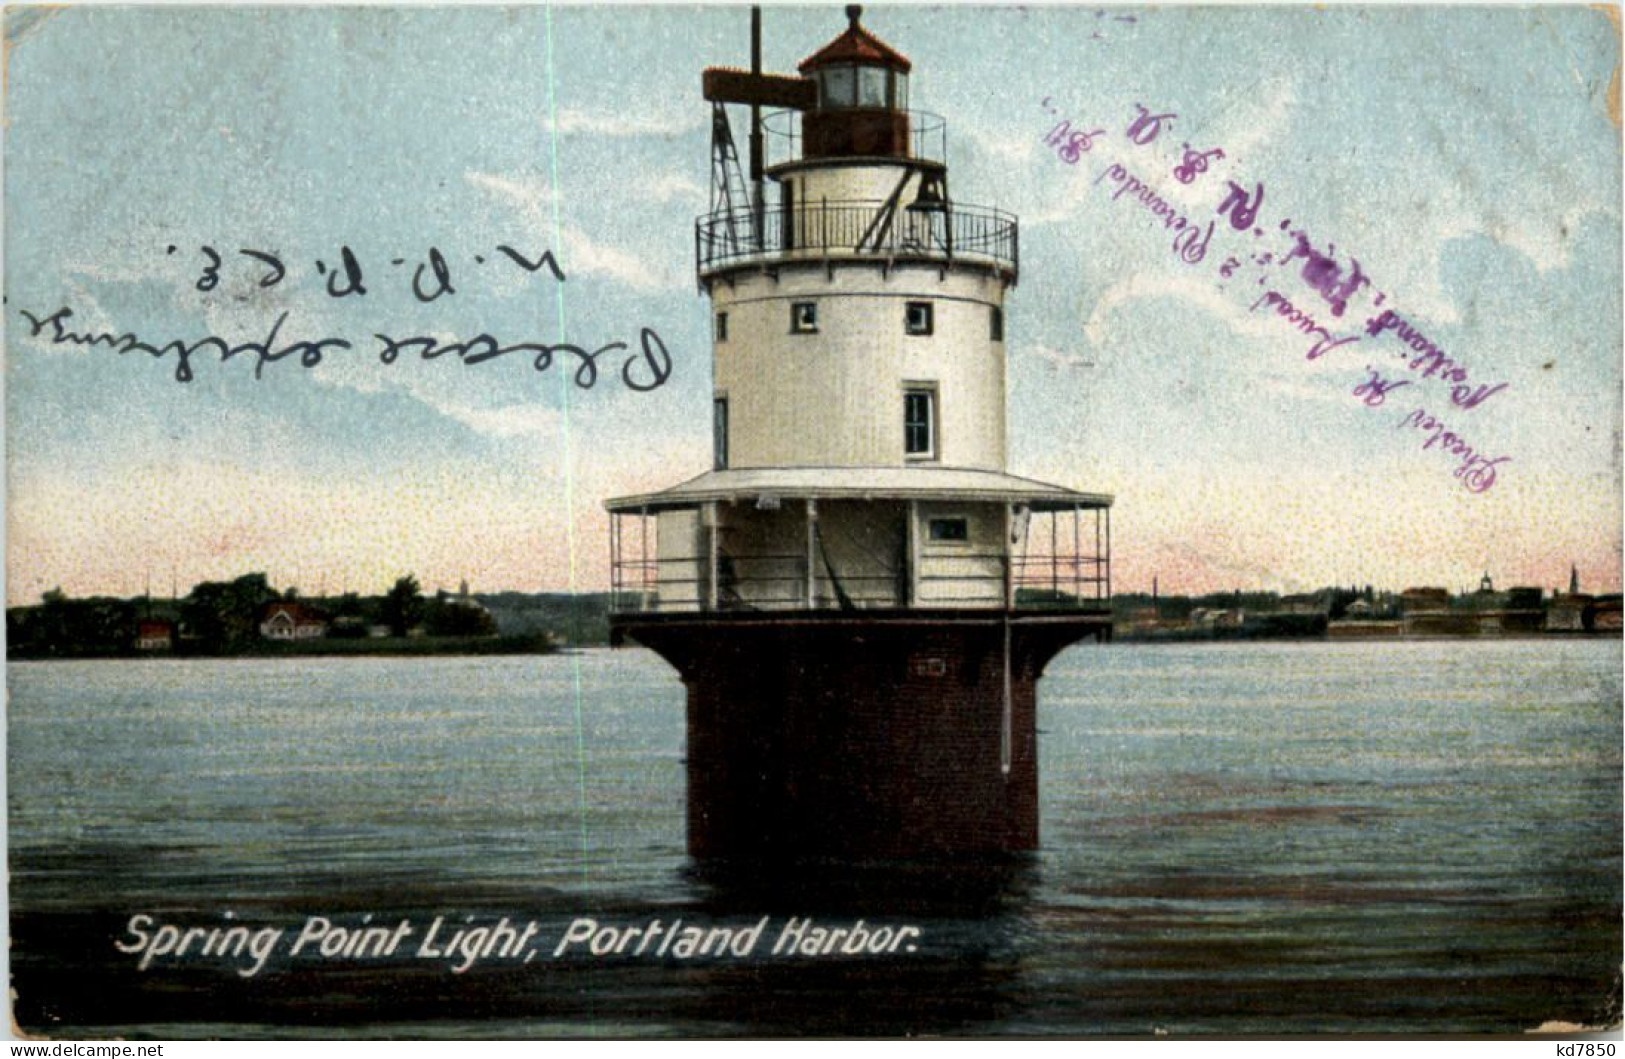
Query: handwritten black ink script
x: 347, y: 278
x: 647, y: 368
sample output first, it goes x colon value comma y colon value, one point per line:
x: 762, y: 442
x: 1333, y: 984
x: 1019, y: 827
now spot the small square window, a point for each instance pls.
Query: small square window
x: 722, y: 327
x: 803, y: 318
x: 995, y: 324
x: 955, y: 530
x: 917, y: 319
x: 928, y: 667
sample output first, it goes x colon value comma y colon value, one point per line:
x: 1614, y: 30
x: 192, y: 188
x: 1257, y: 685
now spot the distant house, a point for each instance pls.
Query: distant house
x: 458, y: 615
x: 463, y: 598
x: 1360, y: 609
x: 1138, y: 619
x: 348, y: 627
x: 154, y: 634
x: 292, y: 621
x: 1311, y: 603
x: 1218, y: 618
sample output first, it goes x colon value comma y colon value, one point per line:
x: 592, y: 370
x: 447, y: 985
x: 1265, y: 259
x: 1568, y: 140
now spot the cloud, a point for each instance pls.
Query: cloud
x: 1065, y: 208
x: 529, y: 195
x: 1260, y: 114
x: 508, y: 421
x: 1301, y: 389
x: 570, y: 121
x: 1543, y: 240
x: 533, y: 198
x: 1197, y: 293
x: 585, y: 256
x: 672, y: 187
x: 1054, y: 359
x: 1002, y: 149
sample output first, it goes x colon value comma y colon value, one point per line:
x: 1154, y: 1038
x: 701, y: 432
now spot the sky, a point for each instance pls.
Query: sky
x: 1468, y: 159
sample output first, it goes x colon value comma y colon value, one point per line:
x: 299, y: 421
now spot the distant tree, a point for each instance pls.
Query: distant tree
x: 54, y: 595
x: 70, y: 628
x: 403, y: 605
x: 224, y: 614
x: 348, y: 606
x: 447, y: 618
x: 1338, y: 600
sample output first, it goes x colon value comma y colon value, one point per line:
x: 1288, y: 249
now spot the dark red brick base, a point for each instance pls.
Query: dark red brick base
x: 858, y: 739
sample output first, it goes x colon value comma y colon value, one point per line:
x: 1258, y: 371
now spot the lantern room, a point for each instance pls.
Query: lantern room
x: 862, y: 108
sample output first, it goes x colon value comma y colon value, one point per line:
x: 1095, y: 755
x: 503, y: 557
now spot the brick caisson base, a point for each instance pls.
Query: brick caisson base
x: 858, y: 739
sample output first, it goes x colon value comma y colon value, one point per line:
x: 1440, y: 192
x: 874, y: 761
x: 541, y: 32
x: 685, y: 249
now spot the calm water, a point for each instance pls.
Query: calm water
x: 1277, y: 838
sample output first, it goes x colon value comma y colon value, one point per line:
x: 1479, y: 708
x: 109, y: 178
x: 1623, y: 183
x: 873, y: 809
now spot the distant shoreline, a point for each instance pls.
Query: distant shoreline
x: 383, y: 647
x: 429, y: 647
x: 1371, y: 638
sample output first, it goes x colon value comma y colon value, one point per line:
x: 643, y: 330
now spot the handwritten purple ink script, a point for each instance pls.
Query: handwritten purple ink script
x: 1337, y: 283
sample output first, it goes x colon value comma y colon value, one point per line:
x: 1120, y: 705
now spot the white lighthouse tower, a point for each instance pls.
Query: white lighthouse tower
x: 859, y: 596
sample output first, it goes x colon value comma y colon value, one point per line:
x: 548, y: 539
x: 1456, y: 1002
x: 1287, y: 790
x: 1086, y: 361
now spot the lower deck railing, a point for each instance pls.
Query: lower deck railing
x: 685, y: 584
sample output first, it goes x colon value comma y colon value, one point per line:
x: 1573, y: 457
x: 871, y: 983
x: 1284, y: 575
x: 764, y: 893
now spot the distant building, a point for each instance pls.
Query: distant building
x: 1524, y: 598
x: 1424, y: 600
x: 292, y: 621
x: 154, y: 634
x: 349, y: 627
x: 1523, y: 612
x: 1218, y: 618
x: 1569, y: 612
x: 1606, y: 614
x: 1311, y: 603
x: 463, y: 599
x: 1427, y: 612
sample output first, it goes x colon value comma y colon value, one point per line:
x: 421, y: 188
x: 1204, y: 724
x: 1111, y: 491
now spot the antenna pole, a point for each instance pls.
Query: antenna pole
x: 758, y: 207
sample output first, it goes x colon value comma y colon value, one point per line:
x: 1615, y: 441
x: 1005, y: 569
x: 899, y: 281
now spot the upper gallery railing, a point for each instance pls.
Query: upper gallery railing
x: 856, y: 228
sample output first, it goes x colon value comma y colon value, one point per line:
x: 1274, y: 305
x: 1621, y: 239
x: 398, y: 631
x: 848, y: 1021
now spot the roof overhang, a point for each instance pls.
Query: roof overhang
x: 754, y: 484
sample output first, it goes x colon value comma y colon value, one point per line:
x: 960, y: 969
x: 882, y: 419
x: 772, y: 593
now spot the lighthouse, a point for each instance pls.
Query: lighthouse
x: 859, y: 597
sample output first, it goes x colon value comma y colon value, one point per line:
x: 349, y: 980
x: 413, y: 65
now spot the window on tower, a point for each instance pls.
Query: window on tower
x: 995, y: 324
x: 719, y: 433
x: 917, y: 318
x: 840, y: 86
x: 920, y: 422
x: 803, y: 318
x: 871, y: 86
x: 722, y: 327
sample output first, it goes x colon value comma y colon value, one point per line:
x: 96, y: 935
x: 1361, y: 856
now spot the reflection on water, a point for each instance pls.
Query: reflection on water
x: 1237, y: 839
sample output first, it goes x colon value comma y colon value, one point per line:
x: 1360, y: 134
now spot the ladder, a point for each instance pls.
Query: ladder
x: 730, y: 201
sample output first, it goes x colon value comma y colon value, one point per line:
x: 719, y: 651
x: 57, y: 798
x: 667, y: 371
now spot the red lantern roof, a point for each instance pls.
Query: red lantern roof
x: 856, y: 45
